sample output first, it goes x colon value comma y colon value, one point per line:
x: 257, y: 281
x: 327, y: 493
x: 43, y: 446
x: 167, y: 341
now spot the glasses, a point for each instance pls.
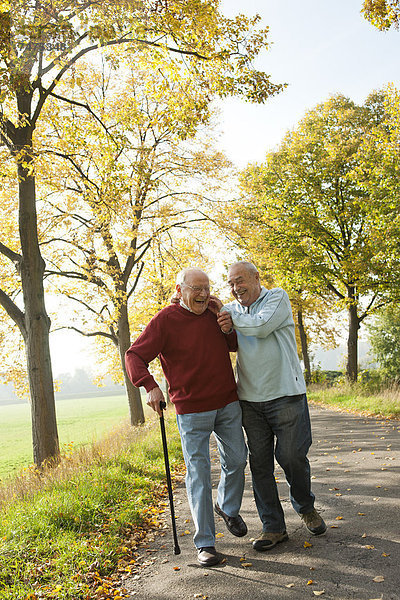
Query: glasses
x: 198, y: 289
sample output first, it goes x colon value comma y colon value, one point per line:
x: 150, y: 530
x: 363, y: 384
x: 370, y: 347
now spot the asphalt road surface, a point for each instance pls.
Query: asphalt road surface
x: 355, y: 464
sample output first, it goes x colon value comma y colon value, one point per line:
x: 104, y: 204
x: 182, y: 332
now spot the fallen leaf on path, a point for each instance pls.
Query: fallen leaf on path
x: 177, y: 568
x: 384, y: 554
x: 219, y: 535
x: 310, y: 582
x: 289, y: 585
x: 307, y: 545
x: 319, y: 593
x: 378, y: 579
x: 339, y: 518
x: 334, y: 526
x: 247, y: 564
x: 364, y: 535
x: 361, y: 514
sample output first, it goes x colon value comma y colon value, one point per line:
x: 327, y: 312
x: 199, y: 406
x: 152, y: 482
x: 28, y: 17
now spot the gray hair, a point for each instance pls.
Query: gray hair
x: 246, y: 265
x: 181, y: 277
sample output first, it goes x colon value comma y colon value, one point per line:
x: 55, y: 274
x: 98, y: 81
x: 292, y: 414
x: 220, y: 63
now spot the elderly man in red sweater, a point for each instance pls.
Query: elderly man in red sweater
x: 194, y: 355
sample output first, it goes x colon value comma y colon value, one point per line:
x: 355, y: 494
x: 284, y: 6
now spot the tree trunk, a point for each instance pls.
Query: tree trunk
x: 304, y: 346
x: 124, y: 342
x: 352, y: 344
x: 37, y: 322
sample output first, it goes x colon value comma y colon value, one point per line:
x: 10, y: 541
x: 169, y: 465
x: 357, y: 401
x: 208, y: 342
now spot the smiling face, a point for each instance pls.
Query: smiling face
x: 244, y: 283
x: 195, y: 291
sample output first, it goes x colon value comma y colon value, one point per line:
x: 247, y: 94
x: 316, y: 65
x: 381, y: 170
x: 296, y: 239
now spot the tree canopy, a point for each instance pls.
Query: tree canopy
x: 40, y: 42
x: 383, y: 14
x: 384, y: 337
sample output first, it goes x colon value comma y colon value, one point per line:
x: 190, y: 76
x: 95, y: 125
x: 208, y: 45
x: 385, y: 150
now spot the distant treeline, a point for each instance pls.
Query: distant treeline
x: 71, y: 385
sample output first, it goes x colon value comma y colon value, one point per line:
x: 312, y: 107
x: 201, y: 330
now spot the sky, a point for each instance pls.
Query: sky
x: 319, y: 48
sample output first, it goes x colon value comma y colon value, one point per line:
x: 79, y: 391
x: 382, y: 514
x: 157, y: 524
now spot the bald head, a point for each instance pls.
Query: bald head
x: 187, y: 273
x: 193, y: 287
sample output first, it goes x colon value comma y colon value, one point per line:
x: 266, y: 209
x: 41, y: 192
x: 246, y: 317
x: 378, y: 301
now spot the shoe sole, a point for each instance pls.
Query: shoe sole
x: 265, y: 548
x: 209, y: 564
x: 316, y: 532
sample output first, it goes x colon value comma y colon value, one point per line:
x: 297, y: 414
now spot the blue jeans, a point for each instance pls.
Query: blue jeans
x: 195, y: 430
x: 287, y: 419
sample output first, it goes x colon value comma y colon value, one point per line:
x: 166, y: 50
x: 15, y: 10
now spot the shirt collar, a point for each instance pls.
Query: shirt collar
x: 181, y: 302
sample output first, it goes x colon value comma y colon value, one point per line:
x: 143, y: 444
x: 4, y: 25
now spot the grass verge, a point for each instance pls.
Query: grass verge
x: 356, y: 399
x: 79, y: 421
x: 73, y: 532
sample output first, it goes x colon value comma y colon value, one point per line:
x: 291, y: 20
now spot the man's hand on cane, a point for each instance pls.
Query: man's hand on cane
x: 154, y: 397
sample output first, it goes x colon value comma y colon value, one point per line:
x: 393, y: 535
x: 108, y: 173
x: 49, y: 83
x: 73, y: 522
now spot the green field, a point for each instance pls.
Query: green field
x: 80, y: 421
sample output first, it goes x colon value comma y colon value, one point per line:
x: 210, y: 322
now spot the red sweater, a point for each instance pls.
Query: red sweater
x: 194, y: 355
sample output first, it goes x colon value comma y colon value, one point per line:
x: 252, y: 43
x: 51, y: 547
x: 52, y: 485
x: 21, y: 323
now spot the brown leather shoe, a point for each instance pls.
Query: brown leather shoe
x: 208, y: 556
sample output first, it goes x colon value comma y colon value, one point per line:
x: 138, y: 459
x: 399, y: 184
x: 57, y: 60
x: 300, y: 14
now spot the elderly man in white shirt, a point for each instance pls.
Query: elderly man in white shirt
x: 272, y: 395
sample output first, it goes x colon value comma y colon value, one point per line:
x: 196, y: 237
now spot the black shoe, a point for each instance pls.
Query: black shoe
x: 268, y: 540
x: 208, y: 556
x: 235, y: 525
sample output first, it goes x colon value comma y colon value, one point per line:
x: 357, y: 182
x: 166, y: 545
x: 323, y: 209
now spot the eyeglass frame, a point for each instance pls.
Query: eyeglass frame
x: 197, y: 289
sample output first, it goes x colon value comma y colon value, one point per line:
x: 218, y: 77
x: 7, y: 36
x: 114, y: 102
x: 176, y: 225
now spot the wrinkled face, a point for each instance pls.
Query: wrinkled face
x: 195, y: 291
x: 245, y: 285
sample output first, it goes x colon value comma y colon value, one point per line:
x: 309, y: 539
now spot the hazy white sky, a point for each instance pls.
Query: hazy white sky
x: 319, y: 48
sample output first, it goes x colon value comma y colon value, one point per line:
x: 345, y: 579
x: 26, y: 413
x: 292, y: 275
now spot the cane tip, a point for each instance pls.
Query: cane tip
x: 177, y: 550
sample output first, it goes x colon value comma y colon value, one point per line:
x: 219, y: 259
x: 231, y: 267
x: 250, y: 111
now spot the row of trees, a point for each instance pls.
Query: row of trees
x: 106, y: 171
x: 71, y: 153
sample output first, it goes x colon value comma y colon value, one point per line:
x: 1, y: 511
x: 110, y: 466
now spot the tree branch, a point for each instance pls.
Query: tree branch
x: 133, y: 288
x: 122, y: 40
x: 90, y: 333
x: 13, y: 312
x: 86, y: 107
x: 14, y: 256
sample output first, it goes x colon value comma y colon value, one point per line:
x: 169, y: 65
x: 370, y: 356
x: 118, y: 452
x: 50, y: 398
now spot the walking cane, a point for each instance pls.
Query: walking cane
x: 177, y: 550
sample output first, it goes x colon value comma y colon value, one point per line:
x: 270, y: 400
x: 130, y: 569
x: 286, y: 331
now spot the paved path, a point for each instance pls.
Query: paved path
x: 355, y: 465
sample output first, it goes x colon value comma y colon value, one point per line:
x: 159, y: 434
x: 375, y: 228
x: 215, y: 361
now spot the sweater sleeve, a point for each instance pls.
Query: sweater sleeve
x: 231, y: 341
x: 272, y: 315
x: 145, y: 349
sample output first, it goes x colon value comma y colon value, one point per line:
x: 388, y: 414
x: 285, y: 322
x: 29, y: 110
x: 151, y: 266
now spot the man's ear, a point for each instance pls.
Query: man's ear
x: 178, y: 291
